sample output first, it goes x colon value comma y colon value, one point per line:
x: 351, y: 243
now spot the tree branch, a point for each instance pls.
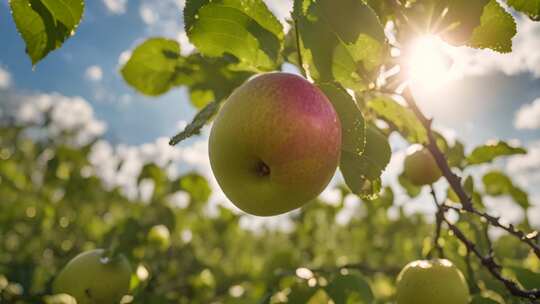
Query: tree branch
x: 455, y: 183
x: 451, y: 177
x: 528, y: 239
x: 494, y: 268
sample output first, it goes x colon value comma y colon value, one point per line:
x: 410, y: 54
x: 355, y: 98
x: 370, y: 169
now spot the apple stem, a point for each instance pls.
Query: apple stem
x: 111, y: 251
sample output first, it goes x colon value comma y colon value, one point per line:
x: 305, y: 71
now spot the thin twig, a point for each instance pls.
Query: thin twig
x: 438, y: 224
x: 527, y: 238
x: 494, y: 268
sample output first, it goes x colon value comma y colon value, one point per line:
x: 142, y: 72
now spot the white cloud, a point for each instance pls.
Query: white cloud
x: 470, y: 61
x: 528, y: 116
x: 116, y: 7
x: 106, y: 158
x: 71, y: 117
x: 525, y: 169
x: 5, y: 79
x: 534, y: 212
x: 504, y: 206
x: 124, y: 57
x: 162, y: 17
x: 181, y: 125
x: 186, y: 47
x: 94, y: 73
x: 147, y: 14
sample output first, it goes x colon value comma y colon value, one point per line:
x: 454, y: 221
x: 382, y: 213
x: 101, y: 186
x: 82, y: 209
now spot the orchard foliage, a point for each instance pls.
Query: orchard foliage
x: 52, y: 210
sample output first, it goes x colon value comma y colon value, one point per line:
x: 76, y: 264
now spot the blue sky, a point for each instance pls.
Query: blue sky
x: 100, y: 39
x: 478, y: 107
x: 493, y: 95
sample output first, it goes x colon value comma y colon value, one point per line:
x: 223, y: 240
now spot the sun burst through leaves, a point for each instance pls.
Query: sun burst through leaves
x: 428, y: 64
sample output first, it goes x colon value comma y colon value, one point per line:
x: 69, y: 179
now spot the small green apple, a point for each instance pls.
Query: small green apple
x: 160, y: 236
x: 420, y: 166
x: 431, y: 282
x: 61, y: 298
x: 92, y: 278
x: 275, y: 144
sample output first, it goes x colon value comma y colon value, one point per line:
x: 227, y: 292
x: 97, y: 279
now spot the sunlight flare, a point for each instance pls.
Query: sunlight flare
x: 427, y: 62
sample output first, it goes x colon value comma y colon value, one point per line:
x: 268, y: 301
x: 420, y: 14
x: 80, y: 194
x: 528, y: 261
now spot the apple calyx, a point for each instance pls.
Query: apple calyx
x: 262, y: 169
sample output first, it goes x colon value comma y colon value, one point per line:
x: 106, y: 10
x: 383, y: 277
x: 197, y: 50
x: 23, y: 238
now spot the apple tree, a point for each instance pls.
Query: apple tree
x: 53, y: 210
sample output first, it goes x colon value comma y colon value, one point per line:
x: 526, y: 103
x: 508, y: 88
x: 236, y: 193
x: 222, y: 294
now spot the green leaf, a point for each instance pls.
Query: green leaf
x: 194, y: 128
x: 245, y: 29
x: 529, y: 7
x: 497, y: 27
x: 11, y: 174
x: 401, y: 117
x: 343, y: 43
x: 157, y: 175
x: 350, y: 288
x: 526, y: 277
x: 385, y: 199
x: 300, y: 293
x: 45, y: 24
x: 478, y: 299
x: 497, y: 183
x: 196, y: 185
x: 212, y: 79
x: 320, y: 297
x: 411, y: 189
x: 488, y: 152
x: 154, y: 66
x: 352, y: 122
x: 460, y: 20
x: 362, y: 172
x: 456, y: 155
x: 478, y: 24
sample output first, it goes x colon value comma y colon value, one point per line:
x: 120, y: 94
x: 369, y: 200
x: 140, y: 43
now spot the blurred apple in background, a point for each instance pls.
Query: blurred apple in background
x: 93, y: 278
x: 420, y: 166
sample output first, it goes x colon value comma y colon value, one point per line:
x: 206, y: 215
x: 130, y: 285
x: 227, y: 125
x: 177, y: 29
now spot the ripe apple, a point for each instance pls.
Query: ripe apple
x: 431, y: 281
x: 421, y: 167
x: 275, y: 144
x: 92, y: 278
